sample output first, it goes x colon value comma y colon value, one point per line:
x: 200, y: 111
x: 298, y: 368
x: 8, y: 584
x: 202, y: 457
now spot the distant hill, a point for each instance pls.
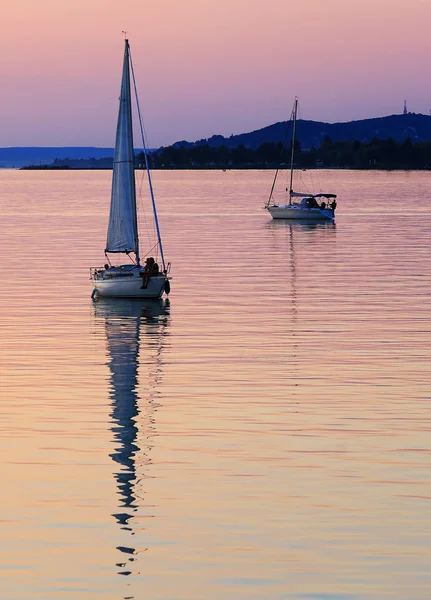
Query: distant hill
x: 309, y: 134
x: 312, y: 133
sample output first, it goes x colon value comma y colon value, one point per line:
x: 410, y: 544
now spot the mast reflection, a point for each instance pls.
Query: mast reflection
x: 136, y: 333
x: 319, y: 233
x: 299, y: 250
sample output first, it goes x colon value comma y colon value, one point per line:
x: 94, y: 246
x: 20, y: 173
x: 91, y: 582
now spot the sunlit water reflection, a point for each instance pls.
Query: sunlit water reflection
x: 264, y: 433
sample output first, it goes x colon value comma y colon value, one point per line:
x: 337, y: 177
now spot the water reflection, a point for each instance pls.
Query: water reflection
x: 136, y: 333
x: 304, y: 225
x: 296, y: 235
x: 305, y: 256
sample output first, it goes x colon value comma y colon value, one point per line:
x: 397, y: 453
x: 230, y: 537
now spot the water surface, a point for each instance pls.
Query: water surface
x: 263, y: 433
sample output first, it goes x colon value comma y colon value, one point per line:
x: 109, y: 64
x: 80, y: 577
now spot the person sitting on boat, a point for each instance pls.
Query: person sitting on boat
x: 147, y: 272
x: 155, y: 268
x: 323, y: 206
x: 333, y: 205
x: 312, y: 202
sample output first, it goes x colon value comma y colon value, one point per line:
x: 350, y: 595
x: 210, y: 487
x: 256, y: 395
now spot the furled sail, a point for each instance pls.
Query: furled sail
x: 300, y: 195
x: 123, y: 228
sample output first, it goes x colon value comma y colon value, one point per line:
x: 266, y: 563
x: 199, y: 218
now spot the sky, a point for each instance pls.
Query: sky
x: 206, y: 67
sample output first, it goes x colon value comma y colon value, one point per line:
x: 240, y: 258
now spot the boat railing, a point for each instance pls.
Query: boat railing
x: 96, y: 272
x: 99, y: 272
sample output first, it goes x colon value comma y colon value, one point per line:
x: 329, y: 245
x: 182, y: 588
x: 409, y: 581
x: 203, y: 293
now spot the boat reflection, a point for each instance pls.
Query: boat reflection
x: 301, y: 252
x: 303, y: 225
x: 319, y: 234
x: 319, y: 237
x: 136, y: 332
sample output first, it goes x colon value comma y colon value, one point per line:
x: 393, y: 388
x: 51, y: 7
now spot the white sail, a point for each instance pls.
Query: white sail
x: 123, y: 228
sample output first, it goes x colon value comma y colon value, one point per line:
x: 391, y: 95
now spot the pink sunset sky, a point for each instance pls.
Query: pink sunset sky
x: 206, y: 67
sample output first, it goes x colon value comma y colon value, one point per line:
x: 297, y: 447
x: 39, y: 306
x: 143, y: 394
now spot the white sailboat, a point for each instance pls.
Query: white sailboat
x: 132, y: 280
x: 306, y: 206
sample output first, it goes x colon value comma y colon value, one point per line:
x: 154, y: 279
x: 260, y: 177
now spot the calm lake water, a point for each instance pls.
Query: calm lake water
x: 264, y: 433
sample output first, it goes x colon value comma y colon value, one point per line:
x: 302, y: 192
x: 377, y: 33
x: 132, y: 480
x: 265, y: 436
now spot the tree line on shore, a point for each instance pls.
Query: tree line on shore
x: 376, y: 154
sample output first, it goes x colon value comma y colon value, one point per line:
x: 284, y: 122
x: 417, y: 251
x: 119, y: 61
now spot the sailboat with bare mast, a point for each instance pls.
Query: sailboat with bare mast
x: 132, y: 280
x: 308, y: 208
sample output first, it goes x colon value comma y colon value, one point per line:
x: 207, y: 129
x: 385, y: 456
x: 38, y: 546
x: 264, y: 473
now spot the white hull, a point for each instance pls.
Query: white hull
x: 130, y: 287
x: 298, y: 213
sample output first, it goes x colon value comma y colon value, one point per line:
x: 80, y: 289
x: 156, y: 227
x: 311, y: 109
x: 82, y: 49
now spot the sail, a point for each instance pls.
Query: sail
x: 123, y: 228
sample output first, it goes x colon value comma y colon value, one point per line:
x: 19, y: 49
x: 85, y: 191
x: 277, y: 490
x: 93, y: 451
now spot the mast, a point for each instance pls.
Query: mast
x: 129, y: 62
x: 295, y: 110
x: 123, y: 224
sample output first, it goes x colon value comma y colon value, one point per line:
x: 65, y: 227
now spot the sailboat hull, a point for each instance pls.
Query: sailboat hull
x: 131, y: 287
x: 298, y: 213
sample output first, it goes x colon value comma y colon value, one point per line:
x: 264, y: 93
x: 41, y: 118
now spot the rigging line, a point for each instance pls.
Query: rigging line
x: 144, y: 222
x: 147, y: 165
x: 279, y: 162
x: 295, y: 114
x: 313, y: 182
x: 150, y: 234
x: 151, y: 249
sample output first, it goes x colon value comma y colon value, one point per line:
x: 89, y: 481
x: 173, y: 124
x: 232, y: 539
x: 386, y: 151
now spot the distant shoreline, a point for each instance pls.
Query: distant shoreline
x: 378, y: 154
x: 209, y: 168
x: 44, y: 168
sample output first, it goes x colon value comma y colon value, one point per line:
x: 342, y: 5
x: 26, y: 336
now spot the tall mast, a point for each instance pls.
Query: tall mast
x: 295, y: 109
x: 129, y: 62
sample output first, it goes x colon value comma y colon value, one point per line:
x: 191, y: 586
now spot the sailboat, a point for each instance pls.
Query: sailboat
x: 131, y: 280
x: 306, y: 206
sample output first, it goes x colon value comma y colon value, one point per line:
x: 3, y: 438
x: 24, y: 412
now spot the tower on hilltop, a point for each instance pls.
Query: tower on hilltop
x: 405, y: 108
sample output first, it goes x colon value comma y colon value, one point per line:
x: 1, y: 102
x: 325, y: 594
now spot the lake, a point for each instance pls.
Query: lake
x: 262, y: 433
